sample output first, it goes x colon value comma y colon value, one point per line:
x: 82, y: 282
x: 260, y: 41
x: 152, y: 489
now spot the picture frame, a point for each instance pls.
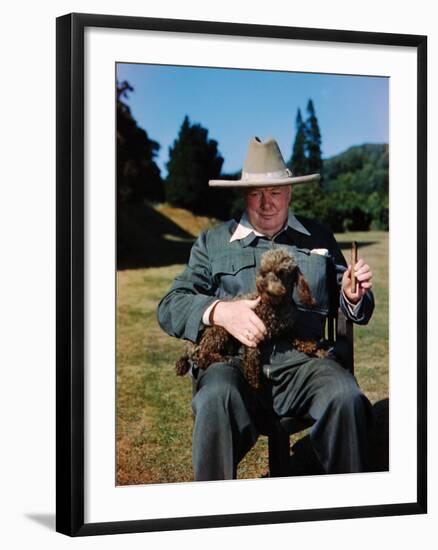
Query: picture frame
x: 74, y: 266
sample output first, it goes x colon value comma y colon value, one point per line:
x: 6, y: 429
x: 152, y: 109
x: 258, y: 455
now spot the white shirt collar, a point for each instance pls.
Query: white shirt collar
x: 244, y: 228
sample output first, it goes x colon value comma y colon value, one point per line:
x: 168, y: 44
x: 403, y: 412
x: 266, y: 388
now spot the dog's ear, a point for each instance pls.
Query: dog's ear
x: 260, y: 283
x: 304, y: 291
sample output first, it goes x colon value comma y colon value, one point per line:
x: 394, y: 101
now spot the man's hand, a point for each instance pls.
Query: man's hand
x: 363, y: 281
x: 239, y: 320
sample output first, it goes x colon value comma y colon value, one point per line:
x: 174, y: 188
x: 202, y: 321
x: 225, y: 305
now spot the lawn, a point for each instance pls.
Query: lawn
x: 154, y: 417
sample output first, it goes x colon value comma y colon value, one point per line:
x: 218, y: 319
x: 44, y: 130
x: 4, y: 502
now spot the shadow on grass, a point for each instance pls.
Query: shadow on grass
x: 380, y: 457
x: 146, y: 238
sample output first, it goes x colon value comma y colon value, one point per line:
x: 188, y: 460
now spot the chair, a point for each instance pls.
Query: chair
x: 339, y: 330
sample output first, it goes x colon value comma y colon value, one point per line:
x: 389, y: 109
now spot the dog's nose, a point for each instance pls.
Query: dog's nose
x: 276, y: 288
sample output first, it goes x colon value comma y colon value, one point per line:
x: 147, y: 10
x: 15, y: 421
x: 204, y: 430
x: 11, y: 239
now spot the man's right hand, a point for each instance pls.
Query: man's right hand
x: 239, y: 320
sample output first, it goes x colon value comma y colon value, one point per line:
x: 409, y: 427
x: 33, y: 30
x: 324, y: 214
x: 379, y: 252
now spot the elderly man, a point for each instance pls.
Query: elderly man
x: 223, y: 265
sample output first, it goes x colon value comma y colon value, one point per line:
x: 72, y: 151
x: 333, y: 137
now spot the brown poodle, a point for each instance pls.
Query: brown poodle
x: 275, y: 282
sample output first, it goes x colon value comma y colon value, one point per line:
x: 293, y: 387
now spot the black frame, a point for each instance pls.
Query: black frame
x: 70, y: 273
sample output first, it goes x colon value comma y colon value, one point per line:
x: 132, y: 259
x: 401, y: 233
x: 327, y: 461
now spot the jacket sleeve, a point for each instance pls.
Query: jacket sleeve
x: 361, y: 312
x: 180, y: 311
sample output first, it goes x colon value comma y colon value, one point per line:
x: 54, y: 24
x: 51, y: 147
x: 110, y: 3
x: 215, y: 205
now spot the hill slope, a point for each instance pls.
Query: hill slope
x: 363, y: 168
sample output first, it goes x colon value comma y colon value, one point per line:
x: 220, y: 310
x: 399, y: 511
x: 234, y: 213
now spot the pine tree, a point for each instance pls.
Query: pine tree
x: 298, y: 161
x: 138, y: 176
x: 313, y: 141
x: 307, y: 199
x: 193, y: 160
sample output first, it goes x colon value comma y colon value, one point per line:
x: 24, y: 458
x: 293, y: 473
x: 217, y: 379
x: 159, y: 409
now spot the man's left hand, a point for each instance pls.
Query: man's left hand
x: 363, y: 281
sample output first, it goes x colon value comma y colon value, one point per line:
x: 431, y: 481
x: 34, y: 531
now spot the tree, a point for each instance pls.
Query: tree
x: 138, y: 176
x: 308, y: 199
x: 313, y: 141
x: 298, y: 161
x: 193, y: 160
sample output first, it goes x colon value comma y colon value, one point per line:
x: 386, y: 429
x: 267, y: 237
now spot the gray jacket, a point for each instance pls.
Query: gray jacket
x: 218, y: 268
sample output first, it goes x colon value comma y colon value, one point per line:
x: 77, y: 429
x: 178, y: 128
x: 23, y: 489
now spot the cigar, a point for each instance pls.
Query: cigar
x: 353, y: 263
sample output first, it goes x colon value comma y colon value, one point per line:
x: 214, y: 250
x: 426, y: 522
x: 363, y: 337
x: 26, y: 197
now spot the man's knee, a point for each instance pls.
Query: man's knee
x: 340, y: 389
x: 219, y: 388
x: 344, y: 394
x: 347, y: 398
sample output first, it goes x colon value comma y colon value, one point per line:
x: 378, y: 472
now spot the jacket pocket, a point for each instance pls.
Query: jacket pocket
x: 315, y: 268
x: 234, y: 274
x: 232, y: 264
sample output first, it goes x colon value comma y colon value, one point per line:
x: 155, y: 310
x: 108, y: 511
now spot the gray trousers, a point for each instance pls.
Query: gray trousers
x: 226, y: 408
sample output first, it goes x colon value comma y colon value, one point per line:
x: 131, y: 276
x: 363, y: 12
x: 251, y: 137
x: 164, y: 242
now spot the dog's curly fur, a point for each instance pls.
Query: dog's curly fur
x: 275, y: 281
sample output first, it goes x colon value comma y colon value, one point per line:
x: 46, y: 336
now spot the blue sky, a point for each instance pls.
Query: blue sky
x: 235, y: 105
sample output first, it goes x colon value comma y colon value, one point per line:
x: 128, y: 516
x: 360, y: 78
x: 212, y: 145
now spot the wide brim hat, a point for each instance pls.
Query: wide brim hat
x: 264, y: 167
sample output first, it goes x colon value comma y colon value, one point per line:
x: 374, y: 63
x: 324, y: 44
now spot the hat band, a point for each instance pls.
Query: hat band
x: 256, y: 176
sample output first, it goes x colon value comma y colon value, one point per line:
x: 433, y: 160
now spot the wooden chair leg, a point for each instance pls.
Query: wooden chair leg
x: 279, y: 453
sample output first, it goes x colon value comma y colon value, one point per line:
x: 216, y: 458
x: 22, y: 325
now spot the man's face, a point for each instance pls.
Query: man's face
x: 267, y: 208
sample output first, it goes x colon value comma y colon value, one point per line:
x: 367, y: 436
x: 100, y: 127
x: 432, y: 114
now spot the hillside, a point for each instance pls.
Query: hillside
x: 363, y: 168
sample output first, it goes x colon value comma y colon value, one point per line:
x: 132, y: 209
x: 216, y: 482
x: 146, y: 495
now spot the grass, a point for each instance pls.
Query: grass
x: 154, y: 417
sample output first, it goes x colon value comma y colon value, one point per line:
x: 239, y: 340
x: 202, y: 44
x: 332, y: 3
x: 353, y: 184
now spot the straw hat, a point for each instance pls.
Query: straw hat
x: 264, y: 167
